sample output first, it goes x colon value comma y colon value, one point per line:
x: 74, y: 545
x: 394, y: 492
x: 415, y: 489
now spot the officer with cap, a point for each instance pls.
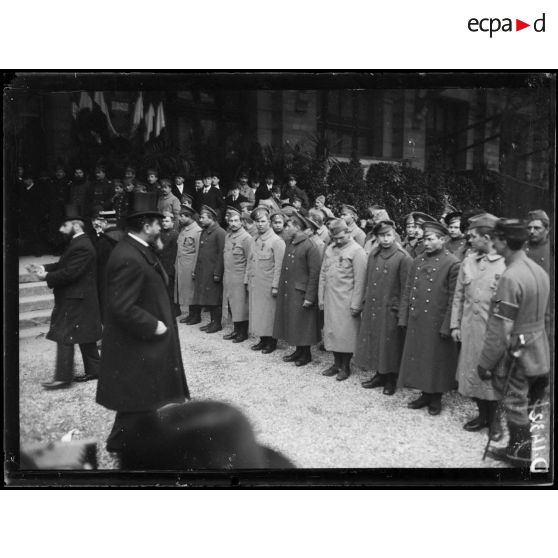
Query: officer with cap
x: 476, y: 284
x: 237, y: 251
x: 429, y: 354
x: 417, y: 247
x: 349, y: 214
x: 456, y: 240
x: 538, y: 244
x: 516, y: 326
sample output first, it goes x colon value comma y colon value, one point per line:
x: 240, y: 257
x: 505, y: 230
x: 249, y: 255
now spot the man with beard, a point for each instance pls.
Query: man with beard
x: 380, y: 340
x: 208, y: 273
x: 262, y: 279
x: 187, y: 251
x: 429, y: 356
x: 341, y: 288
x: 141, y: 364
x: 297, y: 315
x: 457, y: 239
x: 538, y: 244
x: 238, y: 248
x: 75, y: 317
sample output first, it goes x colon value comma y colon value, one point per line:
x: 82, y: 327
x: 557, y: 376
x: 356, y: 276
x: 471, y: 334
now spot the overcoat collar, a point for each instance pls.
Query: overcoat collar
x: 388, y: 253
x: 298, y: 238
x: 149, y: 256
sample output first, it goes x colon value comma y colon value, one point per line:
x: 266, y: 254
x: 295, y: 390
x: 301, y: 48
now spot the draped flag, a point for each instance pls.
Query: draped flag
x: 149, y: 117
x: 85, y: 101
x: 99, y: 98
x: 160, y: 119
x: 138, y: 115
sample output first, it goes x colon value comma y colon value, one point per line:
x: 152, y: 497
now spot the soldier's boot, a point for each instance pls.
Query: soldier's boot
x: 378, y: 380
x: 242, y: 334
x: 518, y: 451
x: 304, y: 357
x: 216, y: 320
x: 193, y: 317
x: 481, y: 420
x: 435, y: 404
x: 232, y: 335
x: 421, y: 402
x: 333, y: 370
x: 495, y: 430
x: 391, y: 382
x: 345, y: 370
x: 293, y: 356
x: 270, y: 346
x: 260, y: 345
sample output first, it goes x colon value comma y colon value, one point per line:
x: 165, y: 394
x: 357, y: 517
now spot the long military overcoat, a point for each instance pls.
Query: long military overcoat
x: 380, y: 340
x: 76, y: 315
x: 262, y: 274
x: 209, y: 264
x: 238, y: 247
x: 540, y: 254
x: 341, y: 287
x: 187, y: 251
x: 476, y: 284
x: 300, y: 275
x: 429, y: 360
x: 139, y: 371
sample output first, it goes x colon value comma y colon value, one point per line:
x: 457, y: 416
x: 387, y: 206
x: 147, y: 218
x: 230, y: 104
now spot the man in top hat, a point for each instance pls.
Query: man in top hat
x: 538, y: 244
x: 349, y: 214
x: 262, y: 279
x: 429, y: 355
x: 100, y: 193
x: 238, y: 248
x: 341, y: 288
x: 141, y: 364
x: 167, y: 202
x: 208, y: 273
x: 517, y: 323
x: 476, y: 284
x: 263, y: 191
x: 292, y: 190
x: 210, y: 196
x: 235, y: 198
x: 188, y: 242
x: 297, y: 314
x: 75, y: 317
x: 380, y: 340
x: 457, y: 239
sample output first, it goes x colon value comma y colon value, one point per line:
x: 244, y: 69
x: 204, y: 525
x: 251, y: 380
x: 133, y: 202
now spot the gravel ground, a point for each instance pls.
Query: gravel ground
x: 316, y: 421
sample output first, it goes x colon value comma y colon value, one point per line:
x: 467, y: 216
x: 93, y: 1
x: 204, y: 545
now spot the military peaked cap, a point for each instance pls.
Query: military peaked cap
x: 512, y: 229
x: 435, y: 227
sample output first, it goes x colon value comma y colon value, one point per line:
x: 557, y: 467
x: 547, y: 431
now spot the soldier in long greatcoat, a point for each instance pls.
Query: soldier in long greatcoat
x: 208, y: 273
x: 476, y: 284
x: 262, y: 277
x: 380, y: 340
x: 188, y: 242
x: 297, y: 314
x: 237, y: 251
x: 429, y: 356
x: 340, y: 295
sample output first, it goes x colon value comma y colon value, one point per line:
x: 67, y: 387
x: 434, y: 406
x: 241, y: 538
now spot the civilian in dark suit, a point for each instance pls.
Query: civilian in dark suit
x: 211, y: 197
x: 234, y: 199
x: 75, y: 318
x: 141, y: 365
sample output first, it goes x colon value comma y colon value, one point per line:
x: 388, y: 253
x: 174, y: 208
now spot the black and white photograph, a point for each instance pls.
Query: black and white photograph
x: 279, y: 279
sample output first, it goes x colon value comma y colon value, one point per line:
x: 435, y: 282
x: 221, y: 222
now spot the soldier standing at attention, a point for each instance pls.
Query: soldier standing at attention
x: 262, y: 278
x: 429, y: 356
x: 516, y: 321
x: 340, y: 295
x: 297, y: 315
x: 476, y: 284
x: 457, y: 239
x: 188, y: 243
x: 238, y: 248
x: 380, y: 340
x: 538, y: 245
x: 350, y: 215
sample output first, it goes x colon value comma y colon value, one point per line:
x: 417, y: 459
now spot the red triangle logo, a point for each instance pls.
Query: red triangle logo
x: 519, y: 25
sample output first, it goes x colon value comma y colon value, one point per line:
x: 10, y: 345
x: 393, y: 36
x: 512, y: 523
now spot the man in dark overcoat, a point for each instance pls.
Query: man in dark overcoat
x: 380, y: 340
x: 208, y: 273
x: 210, y: 197
x: 168, y: 248
x: 297, y: 312
x: 429, y: 356
x: 58, y: 198
x: 141, y: 364
x: 75, y: 317
x: 457, y: 240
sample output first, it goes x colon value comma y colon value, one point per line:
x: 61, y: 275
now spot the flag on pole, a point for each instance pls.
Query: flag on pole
x: 149, y: 117
x: 138, y: 114
x: 99, y: 98
x: 160, y: 120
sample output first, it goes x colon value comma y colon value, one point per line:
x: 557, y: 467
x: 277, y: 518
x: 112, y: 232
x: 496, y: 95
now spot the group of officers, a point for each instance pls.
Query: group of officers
x: 460, y: 302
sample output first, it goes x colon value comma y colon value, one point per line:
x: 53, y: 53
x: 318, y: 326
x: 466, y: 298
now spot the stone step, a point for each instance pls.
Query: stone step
x: 33, y: 288
x: 27, y: 278
x: 34, y: 318
x: 33, y: 332
x: 31, y: 303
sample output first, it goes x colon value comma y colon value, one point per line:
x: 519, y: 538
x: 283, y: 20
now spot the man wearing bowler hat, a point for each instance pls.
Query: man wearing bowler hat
x: 141, y: 364
x: 76, y: 319
x: 208, y: 273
